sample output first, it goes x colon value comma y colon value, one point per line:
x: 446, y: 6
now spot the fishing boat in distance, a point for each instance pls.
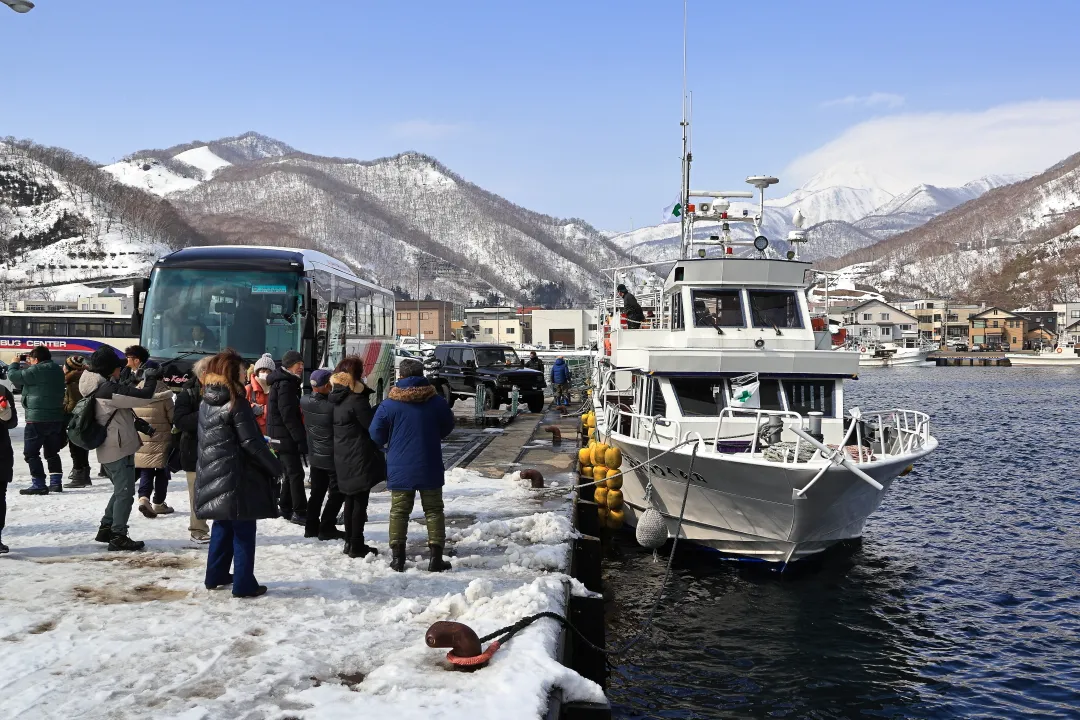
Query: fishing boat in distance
x: 1059, y: 356
x: 728, y: 404
x: 878, y: 354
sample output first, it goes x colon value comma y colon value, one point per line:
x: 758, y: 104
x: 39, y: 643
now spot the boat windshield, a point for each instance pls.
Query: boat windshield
x: 718, y: 308
x: 775, y: 309
x: 492, y: 357
x: 193, y: 311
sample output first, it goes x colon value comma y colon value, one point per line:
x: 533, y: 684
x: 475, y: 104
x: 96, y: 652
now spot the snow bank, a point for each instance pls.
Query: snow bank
x: 85, y: 632
x: 204, y: 159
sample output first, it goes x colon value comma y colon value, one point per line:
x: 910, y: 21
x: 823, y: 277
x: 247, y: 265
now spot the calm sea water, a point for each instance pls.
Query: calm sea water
x: 962, y: 601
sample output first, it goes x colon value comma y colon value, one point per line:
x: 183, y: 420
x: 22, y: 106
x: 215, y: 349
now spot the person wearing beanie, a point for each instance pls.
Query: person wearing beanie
x: 186, y: 422
x: 258, y: 388
x: 319, y: 423
x: 113, y: 401
x: 79, y: 477
x: 411, y: 424
x: 43, y: 392
x: 634, y: 314
x: 358, y: 461
x: 285, y: 428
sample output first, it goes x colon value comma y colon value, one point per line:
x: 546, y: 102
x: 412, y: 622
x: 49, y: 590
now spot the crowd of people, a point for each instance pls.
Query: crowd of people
x: 250, y: 441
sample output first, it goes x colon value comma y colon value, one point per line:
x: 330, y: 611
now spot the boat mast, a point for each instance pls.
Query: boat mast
x: 687, y: 157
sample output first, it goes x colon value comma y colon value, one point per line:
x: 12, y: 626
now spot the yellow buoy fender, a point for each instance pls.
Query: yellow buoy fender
x: 586, y: 471
x: 602, y: 515
x: 615, y: 519
x: 600, y: 496
x: 614, y: 482
x: 584, y: 457
x: 598, y: 452
x: 614, y: 499
x: 613, y: 457
x: 599, y: 472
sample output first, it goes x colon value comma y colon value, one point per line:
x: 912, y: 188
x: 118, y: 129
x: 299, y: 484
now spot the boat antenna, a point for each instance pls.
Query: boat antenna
x: 687, y: 156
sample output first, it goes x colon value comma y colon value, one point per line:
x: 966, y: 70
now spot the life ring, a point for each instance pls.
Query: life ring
x: 862, y: 349
x: 1059, y: 349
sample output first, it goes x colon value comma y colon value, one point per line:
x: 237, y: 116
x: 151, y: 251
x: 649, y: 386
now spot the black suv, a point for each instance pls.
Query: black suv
x: 458, y: 368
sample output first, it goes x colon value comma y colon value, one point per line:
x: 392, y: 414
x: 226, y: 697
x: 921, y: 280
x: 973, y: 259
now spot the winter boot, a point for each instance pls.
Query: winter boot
x: 101, y: 472
x: 198, y: 536
x: 146, y: 508
x: 37, y: 487
x: 123, y: 542
x: 56, y: 482
x: 397, y: 563
x: 3, y: 549
x: 332, y: 534
x: 357, y: 549
x: 162, y: 509
x: 259, y: 591
x: 348, y: 546
x: 78, y: 478
x: 437, y: 564
x: 228, y: 581
x: 104, y: 534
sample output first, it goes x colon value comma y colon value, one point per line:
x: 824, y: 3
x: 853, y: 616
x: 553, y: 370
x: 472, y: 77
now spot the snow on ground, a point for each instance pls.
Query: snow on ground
x: 149, y: 175
x: 85, y: 632
x: 204, y: 159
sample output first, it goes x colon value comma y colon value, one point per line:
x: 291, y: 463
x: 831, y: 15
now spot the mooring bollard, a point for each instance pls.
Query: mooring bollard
x: 479, y: 402
x: 515, y: 395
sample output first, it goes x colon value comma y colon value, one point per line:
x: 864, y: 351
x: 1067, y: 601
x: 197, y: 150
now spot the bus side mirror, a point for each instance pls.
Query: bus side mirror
x: 310, y: 318
x: 139, y: 288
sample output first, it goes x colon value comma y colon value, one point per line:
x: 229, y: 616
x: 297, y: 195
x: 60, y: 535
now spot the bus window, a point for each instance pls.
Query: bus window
x: 352, y: 321
x: 335, y: 346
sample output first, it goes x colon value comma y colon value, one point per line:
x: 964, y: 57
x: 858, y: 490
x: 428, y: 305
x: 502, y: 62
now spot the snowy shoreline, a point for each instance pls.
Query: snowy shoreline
x: 135, y: 635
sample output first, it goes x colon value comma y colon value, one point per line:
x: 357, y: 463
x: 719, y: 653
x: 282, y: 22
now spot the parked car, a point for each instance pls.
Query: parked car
x: 459, y: 368
x: 960, y: 347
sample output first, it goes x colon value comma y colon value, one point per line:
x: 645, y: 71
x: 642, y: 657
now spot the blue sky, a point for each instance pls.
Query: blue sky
x: 569, y: 108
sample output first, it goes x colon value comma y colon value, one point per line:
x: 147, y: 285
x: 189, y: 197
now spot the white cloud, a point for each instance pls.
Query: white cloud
x: 874, y: 99
x: 424, y: 130
x: 946, y: 148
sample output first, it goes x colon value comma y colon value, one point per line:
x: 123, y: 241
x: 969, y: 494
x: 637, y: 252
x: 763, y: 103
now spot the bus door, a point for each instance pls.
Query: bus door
x: 335, y: 334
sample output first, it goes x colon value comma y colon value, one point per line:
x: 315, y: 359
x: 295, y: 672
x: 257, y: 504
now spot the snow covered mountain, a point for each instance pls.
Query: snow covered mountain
x: 1014, y: 245
x: 846, y: 208
x: 62, y: 220
x: 375, y: 215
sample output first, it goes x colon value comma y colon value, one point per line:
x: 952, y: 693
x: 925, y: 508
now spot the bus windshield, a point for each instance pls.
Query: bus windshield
x: 192, y: 311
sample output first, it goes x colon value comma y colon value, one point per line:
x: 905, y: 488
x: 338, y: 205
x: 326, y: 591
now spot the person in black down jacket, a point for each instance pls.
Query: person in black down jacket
x: 235, y: 478
x: 285, y: 426
x: 359, y: 462
x: 319, y: 421
x: 186, y: 422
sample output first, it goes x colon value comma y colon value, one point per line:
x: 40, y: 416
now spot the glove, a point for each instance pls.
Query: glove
x: 152, y: 375
x: 257, y: 409
x: 303, y: 459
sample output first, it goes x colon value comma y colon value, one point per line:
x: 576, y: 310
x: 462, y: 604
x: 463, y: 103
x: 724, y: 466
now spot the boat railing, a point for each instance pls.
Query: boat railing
x: 899, y: 431
x: 733, y: 413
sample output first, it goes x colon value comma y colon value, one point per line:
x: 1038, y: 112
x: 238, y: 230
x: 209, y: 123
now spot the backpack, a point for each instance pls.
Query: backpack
x: 83, y: 428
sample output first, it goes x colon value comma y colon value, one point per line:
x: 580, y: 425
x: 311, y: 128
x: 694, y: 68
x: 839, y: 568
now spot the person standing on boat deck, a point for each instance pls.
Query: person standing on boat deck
x: 360, y: 463
x: 9, y: 420
x: 285, y: 426
x: 113, y: 403
x: 634, y: 315
x: 186, y: 422
x: 152, y: 460
x: 258, y: 388
x: 43, y: 392
x: 79, y: 477
x: 236, y: 477
x: 319, y: 423
x: 411, y: 424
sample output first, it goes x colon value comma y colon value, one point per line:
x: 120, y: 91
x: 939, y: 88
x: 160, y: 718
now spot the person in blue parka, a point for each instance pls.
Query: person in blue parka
x: 410, y: 426
x: 560, y: 378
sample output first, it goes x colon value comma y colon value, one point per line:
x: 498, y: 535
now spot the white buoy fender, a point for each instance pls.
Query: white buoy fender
x: 651, y: 530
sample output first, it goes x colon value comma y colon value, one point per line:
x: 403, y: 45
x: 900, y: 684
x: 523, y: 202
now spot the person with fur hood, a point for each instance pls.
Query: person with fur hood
x: 411, y: 424
x: 113, y: 402
x: 152, y: 460
x: 359, y: 463
x: 79, y: 477
x: 236, y: 477
x: 258, y: 388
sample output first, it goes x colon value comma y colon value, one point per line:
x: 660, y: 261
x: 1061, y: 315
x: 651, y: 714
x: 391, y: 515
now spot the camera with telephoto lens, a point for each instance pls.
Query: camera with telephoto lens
x: 144, y: 427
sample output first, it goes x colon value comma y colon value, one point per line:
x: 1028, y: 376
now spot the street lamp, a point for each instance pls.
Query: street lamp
x: 19, y: 6
x: 430, y: 263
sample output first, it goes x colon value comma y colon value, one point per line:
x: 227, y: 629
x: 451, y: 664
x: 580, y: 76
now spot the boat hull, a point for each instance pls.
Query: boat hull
x: 750, y: 509
x: 1065, y: 358
x: 916, y: 357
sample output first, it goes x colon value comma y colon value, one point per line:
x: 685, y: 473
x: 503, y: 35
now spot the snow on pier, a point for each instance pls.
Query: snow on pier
x: 86, y: 632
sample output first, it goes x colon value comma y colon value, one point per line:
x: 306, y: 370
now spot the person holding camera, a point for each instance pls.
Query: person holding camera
x: 43, y: 392
x: 154, y: 423
x: 113, y: 401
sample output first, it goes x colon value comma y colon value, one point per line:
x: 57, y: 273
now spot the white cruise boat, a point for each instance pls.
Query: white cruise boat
x: 1059, y: 356
x: 726, y: 396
